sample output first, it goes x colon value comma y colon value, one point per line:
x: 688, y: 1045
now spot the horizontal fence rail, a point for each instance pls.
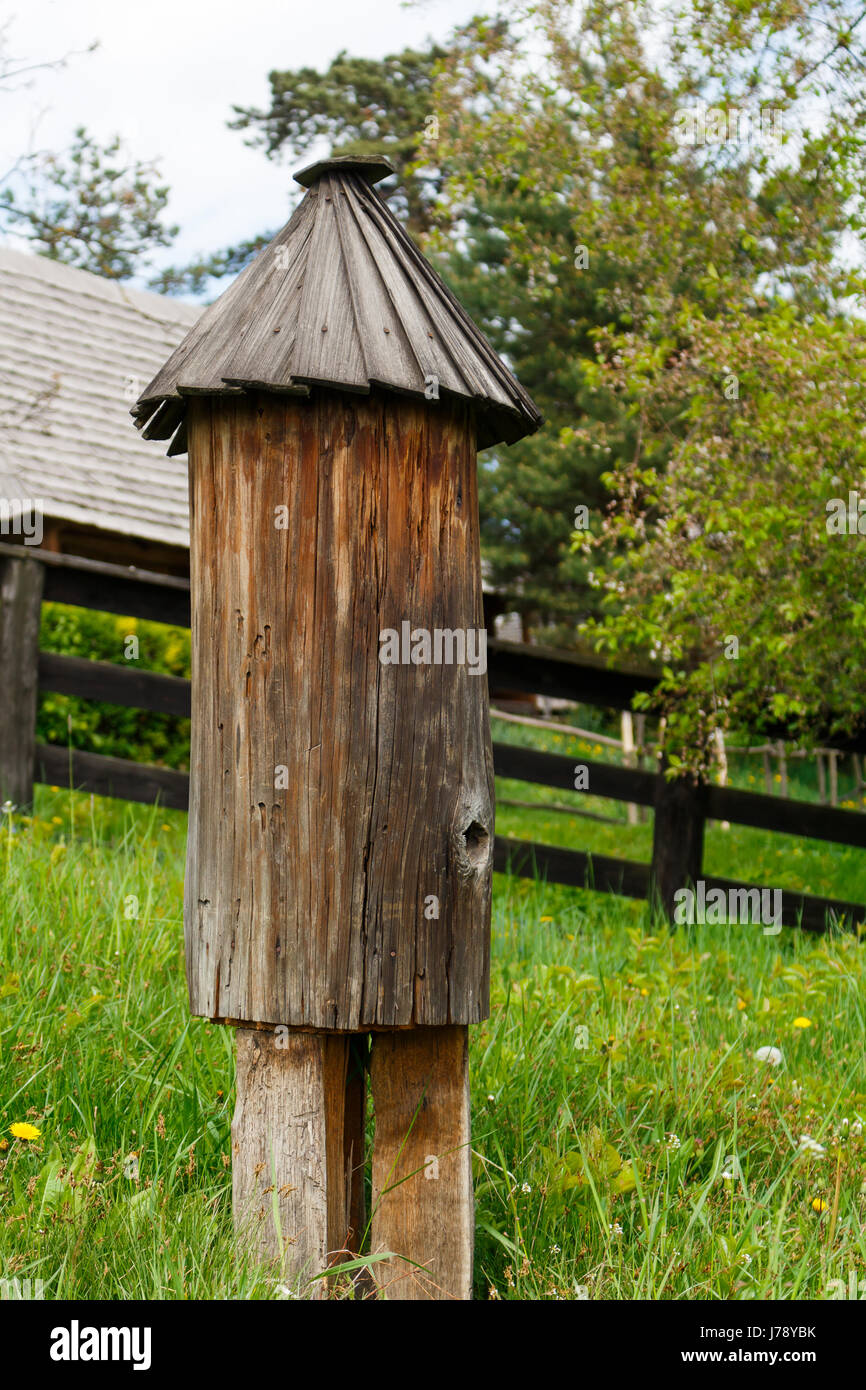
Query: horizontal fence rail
x: 584, y: 680
x: 633, y: 880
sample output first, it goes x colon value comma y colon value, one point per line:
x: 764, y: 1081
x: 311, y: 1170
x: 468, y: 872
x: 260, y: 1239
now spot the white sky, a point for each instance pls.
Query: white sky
x: 166, y: 75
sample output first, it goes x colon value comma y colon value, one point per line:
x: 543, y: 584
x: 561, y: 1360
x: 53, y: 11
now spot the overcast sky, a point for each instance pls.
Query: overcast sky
x: 165, y: 76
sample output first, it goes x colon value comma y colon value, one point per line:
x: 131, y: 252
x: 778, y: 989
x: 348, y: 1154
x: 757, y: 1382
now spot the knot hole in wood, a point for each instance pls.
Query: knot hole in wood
x: 477, y: 842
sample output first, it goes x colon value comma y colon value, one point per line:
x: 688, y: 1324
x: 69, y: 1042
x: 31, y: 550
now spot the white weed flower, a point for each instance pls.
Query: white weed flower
x: 808, y: 1145
x: 771, y: 1055
x: 525, y: 1188
x: 672, y: 1141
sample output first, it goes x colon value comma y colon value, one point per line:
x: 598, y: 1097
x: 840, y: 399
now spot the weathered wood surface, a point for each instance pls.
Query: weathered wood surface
x: 305, y: 904
x: 21, y: 583
x: 422, y: 1202
x: 294, y: 1168
x: 114, y: 684
x: 128, y: 781
x: 108, y: 588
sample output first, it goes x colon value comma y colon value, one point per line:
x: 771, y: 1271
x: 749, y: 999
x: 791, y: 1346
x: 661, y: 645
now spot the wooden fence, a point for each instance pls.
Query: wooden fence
x: 29, y: 577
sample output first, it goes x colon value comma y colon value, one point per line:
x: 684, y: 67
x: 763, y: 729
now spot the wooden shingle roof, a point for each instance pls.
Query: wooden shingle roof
x: 75, y: 351
x: 340, y: 298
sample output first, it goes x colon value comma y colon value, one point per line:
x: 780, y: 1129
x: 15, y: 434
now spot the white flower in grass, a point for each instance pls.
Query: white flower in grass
x: 615, y: 1228
x: 555, y: 1250
x: 525, y: 1188
x: 672, y: 1141
x: 808, y: 1145
x: 771, y: 1055
x: 857, y: 1127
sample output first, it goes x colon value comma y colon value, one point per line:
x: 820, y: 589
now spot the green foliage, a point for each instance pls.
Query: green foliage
x: 112, y: 729
x: 723, y: 565
x: 583, y: 217
x: 92, y: 207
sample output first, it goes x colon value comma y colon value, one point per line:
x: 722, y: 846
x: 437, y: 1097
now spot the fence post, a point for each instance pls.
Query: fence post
x: 678, y: 838
x: 628, y: 756
x: 833, y: 759
x: 21, y: 583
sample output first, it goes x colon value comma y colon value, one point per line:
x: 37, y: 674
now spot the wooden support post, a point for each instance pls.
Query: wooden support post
x: 628, y: 757
x: 295, y: 1146
x: 640, y: 738
x: 822, y: 780
x: 722, y: 755
x: 833, y: 760
x: 783, y: 769
x: 678, y: 838
x: 768, y: 774
x: 21, y: 583
x: 422, y: 1163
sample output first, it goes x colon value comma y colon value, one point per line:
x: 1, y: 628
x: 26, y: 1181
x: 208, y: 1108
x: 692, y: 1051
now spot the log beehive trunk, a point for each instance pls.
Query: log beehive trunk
x: 341, y: 817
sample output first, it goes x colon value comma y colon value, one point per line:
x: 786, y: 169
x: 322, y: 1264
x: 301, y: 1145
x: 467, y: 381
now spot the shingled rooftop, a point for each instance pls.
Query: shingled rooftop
x: 75, y: 351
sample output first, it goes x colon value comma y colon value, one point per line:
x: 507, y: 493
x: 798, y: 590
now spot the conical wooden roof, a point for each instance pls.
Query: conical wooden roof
x: 340, y: 298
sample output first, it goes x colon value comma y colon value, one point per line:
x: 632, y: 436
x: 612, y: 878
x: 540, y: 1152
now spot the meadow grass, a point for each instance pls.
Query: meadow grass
x: 627, y: 1144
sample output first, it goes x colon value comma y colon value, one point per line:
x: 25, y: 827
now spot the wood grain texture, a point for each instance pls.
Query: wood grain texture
x: 293, y: 1189
x: 21, y: 584
x: 422, y: 1203
x: 306, y: 905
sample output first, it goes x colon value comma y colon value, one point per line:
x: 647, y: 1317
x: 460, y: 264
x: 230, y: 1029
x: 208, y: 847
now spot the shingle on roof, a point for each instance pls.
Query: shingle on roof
x: 75, y: 350
x: 341, y: 297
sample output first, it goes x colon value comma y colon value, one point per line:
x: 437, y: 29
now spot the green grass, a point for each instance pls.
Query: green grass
x: 614, y: 1084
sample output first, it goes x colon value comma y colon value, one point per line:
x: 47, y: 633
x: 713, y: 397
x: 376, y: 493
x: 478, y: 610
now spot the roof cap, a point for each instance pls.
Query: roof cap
x: 372, y: 167
x: 341, y: 298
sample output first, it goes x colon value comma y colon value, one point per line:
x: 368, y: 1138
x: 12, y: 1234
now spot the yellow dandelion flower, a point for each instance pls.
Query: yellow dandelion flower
x: 24, y: 1131
x: 4, y: 1144
x: 55, y: 820
x: 166, y: 827
x: 802, y: 1022
x: 819, y: 1205
x: 741, y: 1004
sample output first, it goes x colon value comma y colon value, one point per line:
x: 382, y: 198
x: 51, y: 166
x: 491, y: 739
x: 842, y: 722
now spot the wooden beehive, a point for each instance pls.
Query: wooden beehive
x: 341, y: 818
